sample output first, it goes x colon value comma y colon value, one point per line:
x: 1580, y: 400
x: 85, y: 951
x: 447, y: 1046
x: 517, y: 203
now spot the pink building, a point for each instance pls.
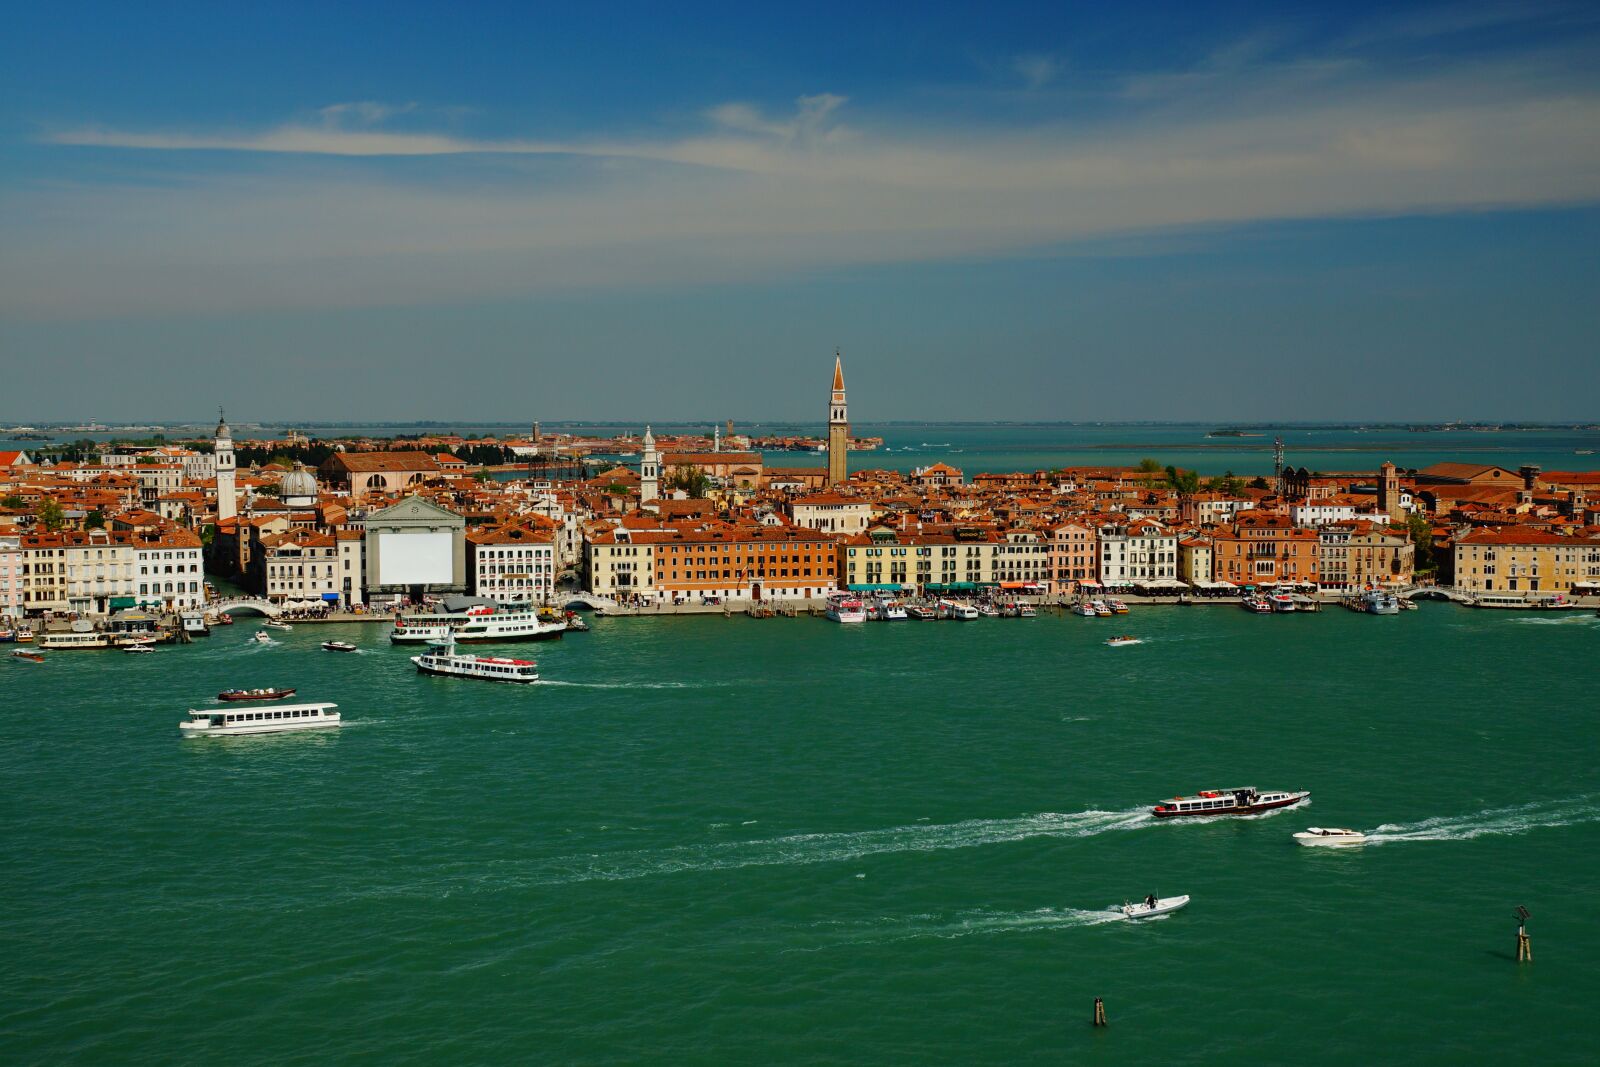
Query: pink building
x: 10, y: 576
x: 1074, y: 557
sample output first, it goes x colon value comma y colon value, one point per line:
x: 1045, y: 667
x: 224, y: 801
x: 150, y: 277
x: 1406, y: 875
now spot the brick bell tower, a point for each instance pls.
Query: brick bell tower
x: 838, y: 427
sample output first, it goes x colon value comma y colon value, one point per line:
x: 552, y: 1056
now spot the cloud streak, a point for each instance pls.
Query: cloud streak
x: 1238, y: 139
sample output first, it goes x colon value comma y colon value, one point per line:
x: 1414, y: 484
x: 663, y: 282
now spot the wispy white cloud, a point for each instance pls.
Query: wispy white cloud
x: 753, y: 193
x: 1036, y: 71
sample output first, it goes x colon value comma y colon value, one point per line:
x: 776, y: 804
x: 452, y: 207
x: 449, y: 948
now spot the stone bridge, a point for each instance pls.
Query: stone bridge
x: 1435, y: 592
x: 234, y: 605
x: 593, y: 601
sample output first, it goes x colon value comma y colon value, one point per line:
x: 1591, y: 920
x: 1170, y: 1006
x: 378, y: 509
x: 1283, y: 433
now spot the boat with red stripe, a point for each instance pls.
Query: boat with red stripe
x: 1247, y: 800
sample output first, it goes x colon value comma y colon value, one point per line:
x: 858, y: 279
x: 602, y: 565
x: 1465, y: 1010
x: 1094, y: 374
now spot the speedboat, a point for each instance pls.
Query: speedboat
x: 1118, y: 642
x: 234, y: 696
x: 1246, y: 800
x: 261, y: 637
x: 29, y: 654
x: 285, y: 627
x: 1084, y: 608
x: 338, y: 646
x: 1146, y: 909
x: 1330, y: 837
x: 140, y: 649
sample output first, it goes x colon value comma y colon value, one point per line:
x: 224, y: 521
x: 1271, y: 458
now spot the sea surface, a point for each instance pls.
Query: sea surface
x: 709, y: 840
x: 979, y: 447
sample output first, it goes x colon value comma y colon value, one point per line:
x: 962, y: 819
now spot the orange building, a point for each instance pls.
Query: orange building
x: 1263, y: 548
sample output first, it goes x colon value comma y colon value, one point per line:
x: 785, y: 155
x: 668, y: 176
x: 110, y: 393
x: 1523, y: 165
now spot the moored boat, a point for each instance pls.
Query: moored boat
x: 1377, y: 602
x: 1246, y: 800
x: 1330, y: 837
x: 1281, y: 601
x: 1084, y: 608
x: 1117, y: 607
x: 225, y: 722
x: 1100, y: 607
x: 960, y: 609
x: 1027, y: 611
x: 846, y: 609
x: 234, y: 696
x: 894, y: 611
x: 917, y: 611
x: 486, y: 621
x: 75, y: 640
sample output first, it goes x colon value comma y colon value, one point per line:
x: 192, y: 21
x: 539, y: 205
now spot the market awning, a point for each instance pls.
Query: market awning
x: 332, y: 598
x: 950, y: 587
x: 118, y: 602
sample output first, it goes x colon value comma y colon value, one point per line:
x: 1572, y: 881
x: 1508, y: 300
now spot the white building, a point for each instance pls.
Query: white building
x: 512, y: 563
x: 832, y: 513
x: 170, y: 570
x: 1141, y: 551
x: 227, y: 500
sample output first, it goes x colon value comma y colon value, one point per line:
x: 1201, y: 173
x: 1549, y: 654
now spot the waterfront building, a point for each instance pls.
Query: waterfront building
x: 1022, y: 561
x: 297, y: 565
x: 10, y: 576
x: 513, y: 563
x: 1195, y: 559
x: 412, y: 549
x: 1263, y: 548
x: 227, y: 501
x: 1519, y: 559
x: 692, y: 560
x: 351, y: 544
x: 73, y: 570
x: 1140, y: 551
x: 1074, y: 557
x: 170, y: 567
x: 838, y: 428
x: 830, y: 512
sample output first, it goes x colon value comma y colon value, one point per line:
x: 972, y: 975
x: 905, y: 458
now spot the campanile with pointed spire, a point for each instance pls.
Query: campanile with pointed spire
x: 838, y: 427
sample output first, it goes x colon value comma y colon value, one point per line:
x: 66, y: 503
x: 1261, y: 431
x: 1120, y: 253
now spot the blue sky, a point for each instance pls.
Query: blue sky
x: 1059, y: 211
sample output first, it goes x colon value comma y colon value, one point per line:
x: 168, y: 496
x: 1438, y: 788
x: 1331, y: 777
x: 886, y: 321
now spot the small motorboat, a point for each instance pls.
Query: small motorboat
x: 237, y: 695
x: 1330, y: 837
x: 1125, y: 639
x: 338, y: 646
x: 1152, y: 906
x: 917, y: 611
x: 285, y: 627
x: 261, y: 637
x: 1100, y: 607
x: 575, y: 623
x: 225, y: 619
x: 29, y: 654
x: 1117, y: 607
x: 1027, y: 611
x: 1084, y: 608
x: 142, y: 648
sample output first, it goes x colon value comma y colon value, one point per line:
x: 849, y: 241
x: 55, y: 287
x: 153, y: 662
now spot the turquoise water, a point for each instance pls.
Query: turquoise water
x: 711, y: 840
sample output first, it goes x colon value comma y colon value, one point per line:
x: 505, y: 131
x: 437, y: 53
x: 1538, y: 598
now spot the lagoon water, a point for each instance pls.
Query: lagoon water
x: 708, y: 840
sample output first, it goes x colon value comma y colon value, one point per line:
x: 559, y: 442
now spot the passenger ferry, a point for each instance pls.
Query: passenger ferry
x: 443, y: 659
x: 225, y: 722
x: 1245, y: 801
x: 75, y: 640
x: 846, y: 609
x: 482, y: 623
x: 1378, y: 602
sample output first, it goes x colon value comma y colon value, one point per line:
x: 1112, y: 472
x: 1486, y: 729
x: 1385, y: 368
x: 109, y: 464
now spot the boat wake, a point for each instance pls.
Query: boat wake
x: 979, y: 923
x: 1539, y: 815
x: 630, y: 685
x: 804, y: 849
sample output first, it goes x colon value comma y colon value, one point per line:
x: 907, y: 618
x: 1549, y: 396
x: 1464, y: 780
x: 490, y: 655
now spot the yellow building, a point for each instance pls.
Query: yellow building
x: 1517, y: 560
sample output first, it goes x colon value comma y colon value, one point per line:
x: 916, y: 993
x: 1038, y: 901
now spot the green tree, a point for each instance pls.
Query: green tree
x: 13, y: 501
x: 1258, y: 482
x: 1184, y: 483
x: 483, y: 475
x: 1149, y: 466
x: 50, y: 515
x: 95, y: 520
x: 1422, y: 537
x: 691, y: 479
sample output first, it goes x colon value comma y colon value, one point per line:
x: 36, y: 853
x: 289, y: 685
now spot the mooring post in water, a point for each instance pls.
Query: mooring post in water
x: 1524, y: 946
x: 1099, y: 1012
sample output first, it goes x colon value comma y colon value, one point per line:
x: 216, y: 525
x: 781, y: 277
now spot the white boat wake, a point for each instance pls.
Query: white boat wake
x: 803, y: 849
x: 981, y: 922
x: 1538, y: 815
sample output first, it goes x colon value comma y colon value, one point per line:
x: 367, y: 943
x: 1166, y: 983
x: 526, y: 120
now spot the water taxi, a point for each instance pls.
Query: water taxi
x: 443, y: 659
x: 29, y: 654
x: 846, y: 609
x: 1377, y: 602
x: 1330, y: 837
x: 1118, y: 642
x: 1243, y: 801
x: 481, y: 622
x: 917, y: 611
x: 138, y: 649
x: 1084, y: 608
x: 1257, y: 604
x: 1027, y: 611
x: 1281, y: 601
x: 261, y: 637
x: 1117, y: 607
x: 221, y: 722
x: 963, y: 611
x: 237, y: 695
x: 894, y: 611
x: 1100, y: 607
x: 285, y: 627
x: 338, y: 646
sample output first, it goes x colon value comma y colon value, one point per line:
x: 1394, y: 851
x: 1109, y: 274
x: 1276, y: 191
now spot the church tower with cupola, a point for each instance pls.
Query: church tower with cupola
x: 838, y: 427
x: 226, y: 503
x: 649, y: 469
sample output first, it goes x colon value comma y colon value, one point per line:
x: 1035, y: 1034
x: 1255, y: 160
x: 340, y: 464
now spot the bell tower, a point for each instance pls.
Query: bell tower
x: 227, y: 504
x: 649, y: 469
x: 838, y: 427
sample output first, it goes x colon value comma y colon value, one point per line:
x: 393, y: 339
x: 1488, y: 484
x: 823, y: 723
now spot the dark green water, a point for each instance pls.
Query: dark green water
x: 716, y: 841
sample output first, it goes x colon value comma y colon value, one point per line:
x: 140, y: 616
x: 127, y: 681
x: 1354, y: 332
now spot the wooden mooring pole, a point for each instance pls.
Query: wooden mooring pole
x: 1099, y: 1012
x: 1524, y: 946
